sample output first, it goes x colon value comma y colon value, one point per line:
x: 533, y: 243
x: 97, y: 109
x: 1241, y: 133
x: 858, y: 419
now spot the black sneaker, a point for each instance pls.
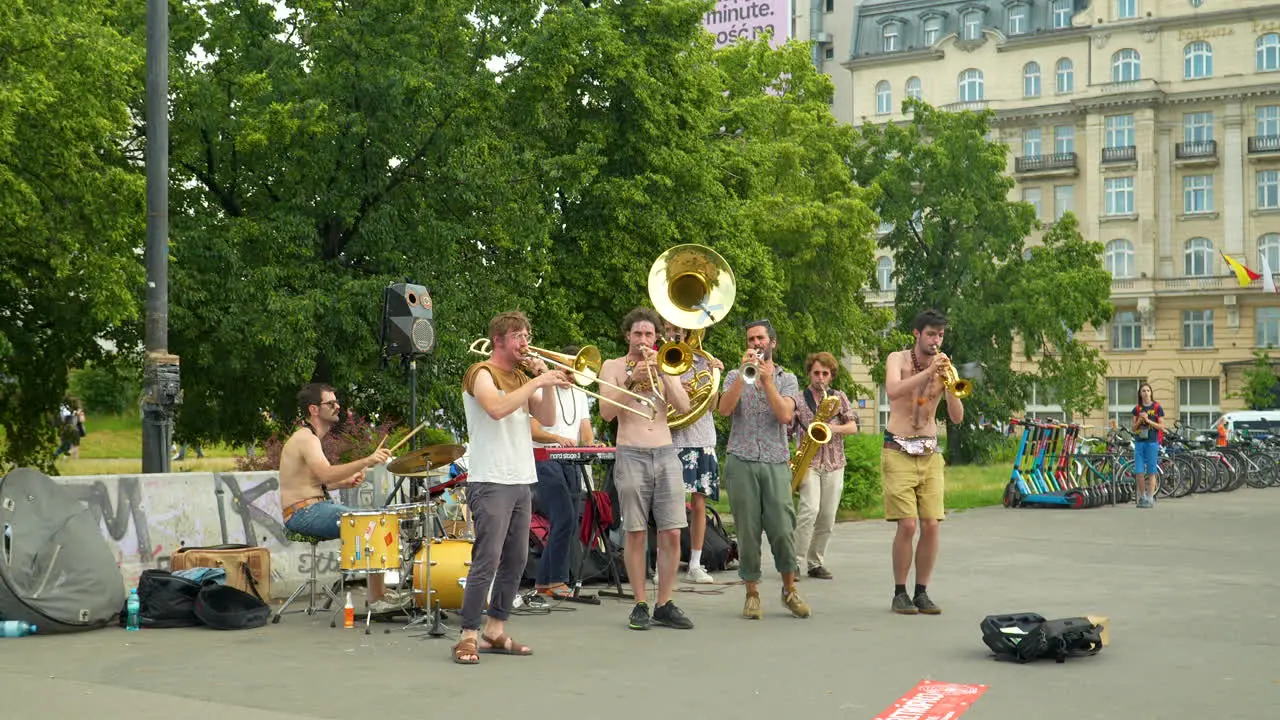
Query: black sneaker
x: 925, y: 605
x: 671, y: 616
x: 903, y: 606
x: 820, y: 573
x: 639, y: 619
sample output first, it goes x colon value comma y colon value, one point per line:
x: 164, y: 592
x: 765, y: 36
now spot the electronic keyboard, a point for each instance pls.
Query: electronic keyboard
x: 575, y: 455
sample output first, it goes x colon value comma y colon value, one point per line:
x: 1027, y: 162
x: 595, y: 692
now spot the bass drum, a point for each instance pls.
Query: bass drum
x: 450, y: 563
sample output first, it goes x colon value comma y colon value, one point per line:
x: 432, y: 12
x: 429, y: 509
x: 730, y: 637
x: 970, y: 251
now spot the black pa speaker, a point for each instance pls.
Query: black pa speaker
x: 407, y: 326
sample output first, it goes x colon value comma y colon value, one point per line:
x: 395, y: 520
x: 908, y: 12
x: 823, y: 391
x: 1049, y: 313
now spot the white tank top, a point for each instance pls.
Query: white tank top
x: 499, y: 451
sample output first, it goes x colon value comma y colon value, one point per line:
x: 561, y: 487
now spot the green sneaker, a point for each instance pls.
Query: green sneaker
x: 903, y: 606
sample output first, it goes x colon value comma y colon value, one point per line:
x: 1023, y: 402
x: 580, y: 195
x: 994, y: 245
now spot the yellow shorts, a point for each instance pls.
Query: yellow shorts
x: 912, y: 485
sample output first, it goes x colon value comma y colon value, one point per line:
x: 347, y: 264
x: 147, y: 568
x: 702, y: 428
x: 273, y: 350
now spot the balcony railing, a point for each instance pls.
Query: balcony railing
x: 975, y: 105
x: 1039, y: 163
x: 1123, y: 153
x: 1196, y: 150
x: 1264, y: 144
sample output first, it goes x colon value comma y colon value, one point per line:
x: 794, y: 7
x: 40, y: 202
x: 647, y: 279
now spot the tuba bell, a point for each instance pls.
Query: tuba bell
x: 691, y: 287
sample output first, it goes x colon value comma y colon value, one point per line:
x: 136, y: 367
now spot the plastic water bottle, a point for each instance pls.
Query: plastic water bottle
x: 133, y: 608
x: 16, y: 628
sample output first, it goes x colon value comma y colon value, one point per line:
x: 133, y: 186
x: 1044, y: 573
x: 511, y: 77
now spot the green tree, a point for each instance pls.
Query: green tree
x: 71, y: 207
x: 960, y: 246
x: 1261, y: 386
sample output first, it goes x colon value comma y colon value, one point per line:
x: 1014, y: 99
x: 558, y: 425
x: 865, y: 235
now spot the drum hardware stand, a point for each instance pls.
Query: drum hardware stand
x: 601, y: 534
x: 434, y: 614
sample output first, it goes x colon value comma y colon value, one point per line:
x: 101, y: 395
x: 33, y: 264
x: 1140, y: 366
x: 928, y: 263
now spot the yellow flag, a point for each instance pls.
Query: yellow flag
x: 1243, y: 274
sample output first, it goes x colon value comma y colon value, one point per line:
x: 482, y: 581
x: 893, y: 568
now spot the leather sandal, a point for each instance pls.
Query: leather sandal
x: 504, y: 645
x: 466, y: 652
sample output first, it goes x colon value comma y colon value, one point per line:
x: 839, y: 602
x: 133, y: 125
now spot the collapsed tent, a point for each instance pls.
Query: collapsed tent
x: 56, y: 570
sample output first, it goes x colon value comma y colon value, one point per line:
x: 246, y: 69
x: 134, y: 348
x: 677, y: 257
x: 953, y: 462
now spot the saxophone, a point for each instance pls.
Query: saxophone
x: 818, y: 433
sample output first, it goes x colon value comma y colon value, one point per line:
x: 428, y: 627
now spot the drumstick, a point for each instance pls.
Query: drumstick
x: 383, y: 441
x: 406, y: 437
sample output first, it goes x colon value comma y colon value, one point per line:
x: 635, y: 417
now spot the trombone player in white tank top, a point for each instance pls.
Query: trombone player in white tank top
x: 499, y: 398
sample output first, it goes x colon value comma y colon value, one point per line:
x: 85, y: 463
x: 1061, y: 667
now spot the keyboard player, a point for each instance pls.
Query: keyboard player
x: 559, y: 485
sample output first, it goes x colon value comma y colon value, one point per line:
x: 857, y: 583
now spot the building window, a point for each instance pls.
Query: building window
x: 1118, y: 259
x: 932, y: 30
x: 1118, y: 196
x: 1033, y: 196
x: 1042, y: 405
x: 1126, y: 9
x: 1064, y: 200
x: 1268, y: 52
x: 884, y: 274
x: 971, y: 25
x: 884, y: 98
x: 1197, y: 60
x: 1197, y: 258
x: 1197, y: 127
x: 829, y: 53
x: 1268, y: 121
x: 1066, y: 73
x: 971, y: 85
x: 1198, y: 402
x: 913, y: 88
x: 1118, y: 131
x: 1197, y: 194
x: 1197, y: 329
x: 1018, y: 19
x: 1031, y: 80
x: 1269, y: 190
x: 1266, y: 325
x: 1269, y: 251
x: 1031, y: 145
x: 1126, y: 331
x: 1061, y: 11
x: 1126, y: 66
x: 892, y: 38
x: 882, y: 410
x: 1122, y: 398
x: 1064, y: 138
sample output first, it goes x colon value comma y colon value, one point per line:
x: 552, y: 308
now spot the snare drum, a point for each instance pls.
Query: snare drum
x: 370, y: 541
x: 450, y: 564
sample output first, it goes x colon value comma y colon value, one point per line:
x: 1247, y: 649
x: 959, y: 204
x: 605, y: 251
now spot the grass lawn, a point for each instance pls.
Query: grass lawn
x: 120, y: 436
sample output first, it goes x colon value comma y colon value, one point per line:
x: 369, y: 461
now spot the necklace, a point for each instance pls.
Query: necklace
x: 915, y: 364
x: 573, y: 400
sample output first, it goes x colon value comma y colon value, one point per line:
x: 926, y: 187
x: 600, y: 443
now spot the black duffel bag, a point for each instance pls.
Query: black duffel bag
x: 165, y: 600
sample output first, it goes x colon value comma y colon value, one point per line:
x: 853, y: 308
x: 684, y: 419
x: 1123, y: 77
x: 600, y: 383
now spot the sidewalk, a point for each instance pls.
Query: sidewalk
x: 1190, y: 587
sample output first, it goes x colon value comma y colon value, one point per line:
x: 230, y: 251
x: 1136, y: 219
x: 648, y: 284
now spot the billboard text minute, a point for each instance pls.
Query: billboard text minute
x: 751, y: 19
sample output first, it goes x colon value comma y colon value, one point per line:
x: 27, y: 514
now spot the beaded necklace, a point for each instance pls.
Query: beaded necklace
x: 915, y: 364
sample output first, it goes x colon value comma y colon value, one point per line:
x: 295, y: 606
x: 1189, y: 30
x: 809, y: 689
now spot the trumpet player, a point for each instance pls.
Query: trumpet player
x: 646, y: 469
x: 910, y: 465
x: 755, y: 470
x: 823, y: 482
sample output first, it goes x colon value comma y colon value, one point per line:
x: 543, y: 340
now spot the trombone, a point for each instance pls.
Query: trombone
x: 585, y: 367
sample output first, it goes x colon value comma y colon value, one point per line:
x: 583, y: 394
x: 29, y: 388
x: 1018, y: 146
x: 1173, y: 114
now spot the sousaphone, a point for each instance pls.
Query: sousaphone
x: 691, y: 287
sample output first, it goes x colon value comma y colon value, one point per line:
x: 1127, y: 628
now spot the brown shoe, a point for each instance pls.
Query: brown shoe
x: 751, y: 608
x: 795, y: 603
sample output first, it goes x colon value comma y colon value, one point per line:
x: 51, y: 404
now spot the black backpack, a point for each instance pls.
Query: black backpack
x: 165, y: 600
x: 717, y: 549
x: 1024, y: 637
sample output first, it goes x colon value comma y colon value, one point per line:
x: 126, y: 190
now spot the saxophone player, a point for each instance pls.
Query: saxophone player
x: 910, y: 464
x: 823, y: 481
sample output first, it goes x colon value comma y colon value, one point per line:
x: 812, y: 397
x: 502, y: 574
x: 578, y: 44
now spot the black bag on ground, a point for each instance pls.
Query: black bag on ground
x: 1025, y: 637
x: 165, y: 600
x: 223, y: 607
x: 717, y: 549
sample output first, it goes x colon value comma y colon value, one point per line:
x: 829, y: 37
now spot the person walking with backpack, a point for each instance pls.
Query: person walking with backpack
x: 1148, y: 429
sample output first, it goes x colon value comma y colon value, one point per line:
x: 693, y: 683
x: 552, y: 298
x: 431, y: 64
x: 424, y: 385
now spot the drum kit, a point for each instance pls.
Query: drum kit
x: 418, y: 535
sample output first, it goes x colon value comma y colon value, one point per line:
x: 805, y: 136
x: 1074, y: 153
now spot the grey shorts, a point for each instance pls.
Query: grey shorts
x: 649, y: 479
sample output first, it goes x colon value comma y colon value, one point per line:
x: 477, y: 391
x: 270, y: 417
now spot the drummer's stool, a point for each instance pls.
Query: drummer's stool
x: 310, y: 584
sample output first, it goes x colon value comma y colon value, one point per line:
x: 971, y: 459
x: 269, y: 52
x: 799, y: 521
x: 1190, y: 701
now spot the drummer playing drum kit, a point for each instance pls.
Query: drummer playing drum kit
x: 415, y: 534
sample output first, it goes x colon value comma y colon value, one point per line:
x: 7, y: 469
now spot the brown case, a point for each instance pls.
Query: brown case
x: 236, y: 560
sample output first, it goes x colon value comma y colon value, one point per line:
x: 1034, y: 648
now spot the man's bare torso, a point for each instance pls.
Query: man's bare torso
x: 914, y: 415
x: 297, y: 482
x: 633, y: 430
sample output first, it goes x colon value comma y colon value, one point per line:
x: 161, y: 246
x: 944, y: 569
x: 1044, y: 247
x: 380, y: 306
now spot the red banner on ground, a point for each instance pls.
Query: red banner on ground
x: 933, y: 701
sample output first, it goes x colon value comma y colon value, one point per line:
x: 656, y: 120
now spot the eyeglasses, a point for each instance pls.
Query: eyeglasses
x: 331, y: 403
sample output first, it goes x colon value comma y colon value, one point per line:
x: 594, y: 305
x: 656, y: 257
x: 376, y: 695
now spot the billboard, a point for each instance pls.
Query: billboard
x: 751, y: 19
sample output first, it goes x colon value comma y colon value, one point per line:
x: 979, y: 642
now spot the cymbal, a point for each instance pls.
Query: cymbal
x: 421, y: 462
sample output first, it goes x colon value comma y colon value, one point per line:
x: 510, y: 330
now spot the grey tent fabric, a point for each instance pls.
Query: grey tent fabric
x: 56, y: 569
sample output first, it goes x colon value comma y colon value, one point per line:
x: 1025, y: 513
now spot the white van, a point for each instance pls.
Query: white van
x: 1256, y: 422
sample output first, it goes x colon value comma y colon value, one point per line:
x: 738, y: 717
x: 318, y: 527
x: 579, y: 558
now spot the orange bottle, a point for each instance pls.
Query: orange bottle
x: 349, y: 614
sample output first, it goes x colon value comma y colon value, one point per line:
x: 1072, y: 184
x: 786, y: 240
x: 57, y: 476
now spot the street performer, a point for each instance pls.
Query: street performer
x: 823, y: 481
x: 499, y: 398
x: 646, y: 469
x: 910, y: 464
x: 755, y: 470
x: 306, y: 475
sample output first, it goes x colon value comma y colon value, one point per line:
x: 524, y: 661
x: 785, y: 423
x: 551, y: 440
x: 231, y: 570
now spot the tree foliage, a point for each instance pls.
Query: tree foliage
x: 960, y: 246
x: 1261, y: 387
x: 71, y: 207
x: 505, y: 156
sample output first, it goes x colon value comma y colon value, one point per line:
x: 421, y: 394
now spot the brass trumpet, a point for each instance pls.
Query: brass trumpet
x: 955, y: 384
x: 585, y: 367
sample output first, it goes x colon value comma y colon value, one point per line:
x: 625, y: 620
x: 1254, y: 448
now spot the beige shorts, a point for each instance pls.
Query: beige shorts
x: 912, y: 485
x: 650, y: 481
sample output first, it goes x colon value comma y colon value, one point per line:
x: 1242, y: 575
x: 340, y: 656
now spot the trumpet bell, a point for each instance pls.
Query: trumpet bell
x: 691, y: 286
x: 749, y: 372
x: 675, y: 358
x: 957, y: 385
